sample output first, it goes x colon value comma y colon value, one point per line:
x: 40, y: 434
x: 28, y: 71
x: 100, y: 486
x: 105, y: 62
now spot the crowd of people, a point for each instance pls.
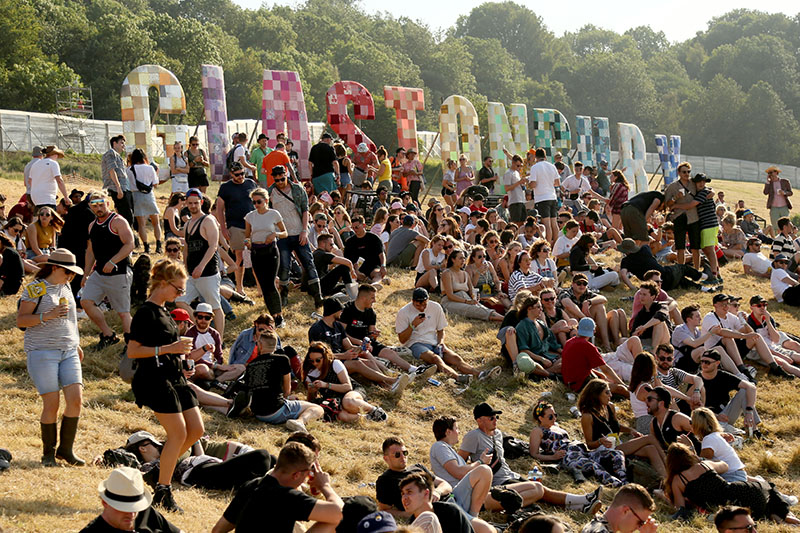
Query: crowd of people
x: 534, y: 261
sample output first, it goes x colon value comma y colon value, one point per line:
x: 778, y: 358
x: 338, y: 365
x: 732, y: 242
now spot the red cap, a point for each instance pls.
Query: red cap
x: 180, y: 315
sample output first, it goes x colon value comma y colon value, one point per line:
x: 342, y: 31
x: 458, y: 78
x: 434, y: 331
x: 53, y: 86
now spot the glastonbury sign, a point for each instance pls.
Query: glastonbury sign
x: 283, y: 108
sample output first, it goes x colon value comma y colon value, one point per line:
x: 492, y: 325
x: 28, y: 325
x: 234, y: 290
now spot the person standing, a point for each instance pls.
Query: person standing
x: 144, y: 179
x: 233, y: 203
x: 241, y: 156
x: 515, y: 190
x: 291, y: 201
x: 637, y: 211
x: 257, y: 158
x: 778, y: 191
x: 276, y: 157
x: 48, y: 313
x: 323, y: 165
x: 46, y: 180
x: 115, y: 179
x: 487, y: 175
x: 202, y: 261
x: 178, y: 169
x: 198, y: 162
x: 110, y: 244
x: 544, y: 177
x: 36, y: 156
x: 263, y: 228
x: 412, y: 170
x: 159, y: 382
x: 679, y: 196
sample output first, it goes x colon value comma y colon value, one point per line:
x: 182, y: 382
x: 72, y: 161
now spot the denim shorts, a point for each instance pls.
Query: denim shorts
x: 418, y: 348
x: 462, y: 494
x: 291, y: 410
x: 52, y: 370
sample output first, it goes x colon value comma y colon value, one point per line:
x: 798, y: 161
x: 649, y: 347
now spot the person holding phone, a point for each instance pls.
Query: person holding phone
x: 159, y: 382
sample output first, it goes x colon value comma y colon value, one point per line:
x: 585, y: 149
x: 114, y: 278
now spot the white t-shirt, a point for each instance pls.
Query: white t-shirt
x: 241, y: 151
x: 517, y: 195
x: 680, y: 334
x: 338, y: 366
x: 433, y: 260
x: 778, y: 285
x: 204, y: 339
x: 574, y: 184
x: 722, y: 451
x: 44, y: 188
x: 544, y: 175
x: 711, y: 320
x: 427, y: 522
x: 758, y: 262
x: 145, y: 174
x: 263, y: 225
x: 523, y: 240
x: 563, y: 244
x: 426, y: 332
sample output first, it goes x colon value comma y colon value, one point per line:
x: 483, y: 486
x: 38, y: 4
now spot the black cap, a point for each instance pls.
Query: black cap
x: 781, y: 257
x: 757, y: 299
x: 330, y: 306
x: 478, y: 197
x: 484, y: 409
x: 720, y: 298
x: 712, y: 354
x: 734, y: 298
x: 326, y: 135
x: 278, y: 170
x: 76, y: 191
x: 420, y: 294
x: 262, y: 136
x: 700, y: 177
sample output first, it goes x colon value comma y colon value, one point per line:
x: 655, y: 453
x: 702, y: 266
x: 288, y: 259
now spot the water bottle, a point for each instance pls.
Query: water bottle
x: 574, y: 411
x: 546, y: 394
x: 435, y: 382
x: 571, y: 397
x: 535, y: 474
x: 316, y: 316
x: 429, y: 409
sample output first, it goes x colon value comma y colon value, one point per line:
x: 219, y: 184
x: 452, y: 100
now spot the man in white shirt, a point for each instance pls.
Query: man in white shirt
x: 784, y: 286
x: 240, y: 156
x: 46, y: 180
x: 756, y: 263
x: 37, y: 156
x: 545, y: 179
x: 420, y: 326
x: 515, y: 189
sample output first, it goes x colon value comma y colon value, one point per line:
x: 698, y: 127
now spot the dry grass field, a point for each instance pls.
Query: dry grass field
x: 33, y: 498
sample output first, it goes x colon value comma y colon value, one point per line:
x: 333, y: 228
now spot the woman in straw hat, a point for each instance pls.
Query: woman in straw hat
x: 48, y: 313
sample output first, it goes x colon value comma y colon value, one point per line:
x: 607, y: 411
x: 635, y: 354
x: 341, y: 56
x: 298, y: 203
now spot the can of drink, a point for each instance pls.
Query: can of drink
x: 359, y: 262
x: 364, y: 344
x: 571, y: 397
x: 429, y: 409
x: 63, y: 301
x: 546, y: 394
x: 574, y: 411
x: 435, y: 382
x: 535, y: 474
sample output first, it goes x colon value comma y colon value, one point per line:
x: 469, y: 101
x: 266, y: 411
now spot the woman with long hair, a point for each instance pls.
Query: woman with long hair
x: 341, y: 223
x: 494, y: 251
x: 379, y: 221
x: 435, y: 218
x: 567, y: 238
x: 412, y: 170
x: 392, y: 223
x: 42, y: 234
x: 535, y: 341
x: 620, y: 188
x: 601, y: 427
x: 550, y: 442
x: 457, y: 293
x: 263, y: 228
x: 484, y: 277
x: 173, y: 225
x: 48, y: 313
x: 562, y: 325
x: 449, y: 183
x: 345, y: 181
x: 695, y: 481
x: 143, y: 180
x: 430, y: 264
x: 328, y: 384
x: 523, y: 277
x: 464, y: 176
x: 581, y: 260
x: 178, y: 169
x: 450, y: 226
x: 198, y: 162
x: 159, y: 383
x: 716, y: 447
x: 505, y: 264
x: 542, y: 263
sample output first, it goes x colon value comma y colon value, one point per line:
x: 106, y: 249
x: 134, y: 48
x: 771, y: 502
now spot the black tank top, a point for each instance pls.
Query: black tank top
x: 667, y: 434
x: 602, y: 427
x: 196, y: 248
x: 105, y: 245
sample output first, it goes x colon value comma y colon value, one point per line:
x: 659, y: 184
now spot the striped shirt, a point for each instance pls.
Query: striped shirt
x: 519, y: 281
x: 782, y: 244
x: 706, y: 211
x: 58, y: 333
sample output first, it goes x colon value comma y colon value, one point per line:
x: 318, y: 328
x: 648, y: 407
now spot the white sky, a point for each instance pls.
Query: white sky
x: 678, y: 19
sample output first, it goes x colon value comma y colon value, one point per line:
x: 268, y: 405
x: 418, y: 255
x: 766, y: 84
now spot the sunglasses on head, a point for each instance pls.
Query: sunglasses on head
x: 398, y: 455
x: 202, y: 316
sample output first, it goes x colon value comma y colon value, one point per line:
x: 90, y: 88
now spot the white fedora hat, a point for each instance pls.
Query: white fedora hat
x: 124, y: 490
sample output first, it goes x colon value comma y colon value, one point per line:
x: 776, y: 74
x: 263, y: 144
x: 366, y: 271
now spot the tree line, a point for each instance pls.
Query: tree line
x: 730, y: 91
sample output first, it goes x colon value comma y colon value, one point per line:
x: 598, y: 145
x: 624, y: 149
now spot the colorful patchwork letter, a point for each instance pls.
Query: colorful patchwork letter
x: 338, y: 95
x: 467, y: 140
x: 406, y: 101
x: 135, y: 102
x: 592, y: 140
x: 601, y: 137
x: 216, y: 111
x: 283, y: 103
x: 551, y: 132
x: 632, y: 156
x: 514, y: 136
x: 670, y: 155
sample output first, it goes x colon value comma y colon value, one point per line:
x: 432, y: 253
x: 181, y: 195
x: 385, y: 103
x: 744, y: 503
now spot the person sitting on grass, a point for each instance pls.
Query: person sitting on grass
x: 538, y: 347
x: 579, y: 302
x: 582, y: 362
x: 431, y: 517
x: 652, y: 321
x: 754, y: 262
x: 268, y: 380
x: 668, y: 426
x: 733, y: 239
x: 207, y: 351
x: 689, y: 343
x: 328, y: 385
x: 672, y: 306
x: 126, y: 506
x: 785, y: 287
x: 420, y: 326
x: 630, y: 511
x: 562, y: 325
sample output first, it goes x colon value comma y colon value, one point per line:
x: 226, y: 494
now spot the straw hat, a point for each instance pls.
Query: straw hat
x: 63, y: 258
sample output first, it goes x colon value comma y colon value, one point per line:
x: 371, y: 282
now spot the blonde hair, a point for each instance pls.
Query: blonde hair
x: 166, y: 271
x: 730, y: 218
x: 260, y: 191
x: 704, y: 422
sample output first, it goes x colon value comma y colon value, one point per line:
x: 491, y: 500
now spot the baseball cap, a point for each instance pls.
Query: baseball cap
x: 586, y: 327
x: 712, y: 354
x: 203, y: 307
x: 700, y: 177
x: 362, y: 148
x: 757, y: 299
x: 377, y: 522
x: 180, y: 315
x: 37, y: 151
x: 396, y: 205
x: 408, y: 220
x: 194, y: 192
x: 781, y: 257
x: 141, y: 436
x: 734, y: 298
x: 465, y: 210
x: 484, y: 409
x: 420, y: 294
x: 326, y: 135
x: 720, y: 298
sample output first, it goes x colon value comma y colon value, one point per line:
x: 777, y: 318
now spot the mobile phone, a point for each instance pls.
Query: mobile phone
x: 421, y: 315
x: 188, y: 364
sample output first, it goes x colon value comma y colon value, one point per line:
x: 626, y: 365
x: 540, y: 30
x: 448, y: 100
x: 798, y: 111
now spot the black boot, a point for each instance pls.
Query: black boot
x: 69, y: 427
x: 315, y: 290
x: 158, y: 247
x: 162, y: 497
x: 284, y: 296
x: 147, y: 247
x: 49, y: 438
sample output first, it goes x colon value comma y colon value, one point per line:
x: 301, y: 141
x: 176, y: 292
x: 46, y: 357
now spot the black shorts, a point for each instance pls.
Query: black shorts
x: 682, y: 227
x: 547, y: 208
x: 377, y: 347
x: 686, y: 363
x: 163, y: 396
x: 197, y: 178
x: 517, y: 212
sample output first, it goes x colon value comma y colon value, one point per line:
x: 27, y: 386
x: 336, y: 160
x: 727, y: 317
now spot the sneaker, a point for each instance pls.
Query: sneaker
x: 296, y: 425
x: 489, y: 373
x: 593, y: 503
x: 515, y: 371
x: 424, y: 372
x: 162, y: 497
x: 240, y: 402
x: 81, y: 314
x: 400, y: 385
x: 464, y: 379
x: 751, y: 371
x: 377, y: 415
x: 280, y: 323
x: 107, y: 341
x: 779, y: 372
x: 509, y: 500
x: 383, y: 361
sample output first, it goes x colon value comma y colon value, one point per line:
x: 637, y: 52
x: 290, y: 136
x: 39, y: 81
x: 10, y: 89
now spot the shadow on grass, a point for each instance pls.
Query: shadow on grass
x: 12, y: 506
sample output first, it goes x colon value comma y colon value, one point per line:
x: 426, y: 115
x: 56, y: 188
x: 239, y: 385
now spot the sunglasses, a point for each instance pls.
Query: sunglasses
x: 398, y: 455
x: 750, y: 528
x: 707, y: 361
x: 549, y: 299
x: 316, y: 360
x: 651, y: 398
x: 583, y: 283
x: 479, y: 256
x: 173, y: 250
x: 546, y: 249
x: 195, y: 144
x: 734, y: 304
x: 493, y: 417
x: 552, y: 417
x: 280, y: 179
x: 202, y: 317
x: 639, y: 518
x: 258, y: 202
x: 667, y: 359
x: 180, y: 290
x: 448, y: 247
x: 238, y: 174
x: 759, y: 305
x: 45, y: 215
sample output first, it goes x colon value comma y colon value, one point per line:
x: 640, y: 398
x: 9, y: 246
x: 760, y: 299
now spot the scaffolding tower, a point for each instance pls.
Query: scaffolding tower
x: 74, y: 106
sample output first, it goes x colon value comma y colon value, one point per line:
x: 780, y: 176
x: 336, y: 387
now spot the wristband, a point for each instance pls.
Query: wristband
x: 112, y: 262
x: 156, y: 354
x: 41, y: 318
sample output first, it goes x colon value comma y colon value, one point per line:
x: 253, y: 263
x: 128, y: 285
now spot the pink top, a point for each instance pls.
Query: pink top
x: 778, y: 200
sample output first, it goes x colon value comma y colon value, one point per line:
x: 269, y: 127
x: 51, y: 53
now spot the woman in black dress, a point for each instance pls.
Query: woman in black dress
x: 159, y: 382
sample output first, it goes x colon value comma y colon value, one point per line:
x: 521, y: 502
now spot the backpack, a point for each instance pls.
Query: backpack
x: 514, y: 448
x: 229, y: 161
